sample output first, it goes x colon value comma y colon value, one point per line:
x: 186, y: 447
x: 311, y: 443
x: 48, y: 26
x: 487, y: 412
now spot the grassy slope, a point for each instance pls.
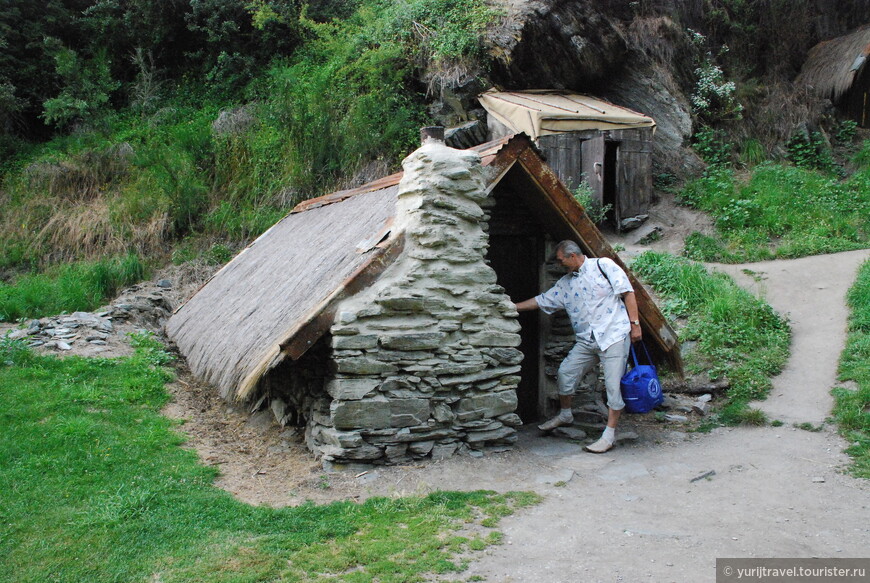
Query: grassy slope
x: 781, y: 211
x: 736, y: 336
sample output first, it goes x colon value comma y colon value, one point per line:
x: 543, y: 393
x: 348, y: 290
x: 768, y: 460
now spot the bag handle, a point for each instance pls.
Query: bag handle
x: 648, y: 358
x: 634, y: 354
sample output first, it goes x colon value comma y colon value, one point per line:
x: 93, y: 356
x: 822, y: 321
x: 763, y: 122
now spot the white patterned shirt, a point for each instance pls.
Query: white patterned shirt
x: 593, y: 304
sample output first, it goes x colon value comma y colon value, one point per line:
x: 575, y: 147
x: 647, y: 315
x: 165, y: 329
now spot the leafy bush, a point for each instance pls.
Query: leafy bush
x: 712, y: 146
x: 845, y: 131
x: 713, y: 98
x: 594, y: 209
x: 88, y: 85
x: 809, y: 150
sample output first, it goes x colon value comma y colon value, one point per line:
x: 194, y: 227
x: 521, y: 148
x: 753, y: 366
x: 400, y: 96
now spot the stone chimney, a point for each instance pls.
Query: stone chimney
x: 435, y: 133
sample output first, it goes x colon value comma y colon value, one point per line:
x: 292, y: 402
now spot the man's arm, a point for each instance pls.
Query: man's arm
x: 527, y: 305
x: 631, y: 307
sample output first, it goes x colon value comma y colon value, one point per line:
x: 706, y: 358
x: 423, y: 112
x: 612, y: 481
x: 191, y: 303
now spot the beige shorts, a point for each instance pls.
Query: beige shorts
x: 586, y: 354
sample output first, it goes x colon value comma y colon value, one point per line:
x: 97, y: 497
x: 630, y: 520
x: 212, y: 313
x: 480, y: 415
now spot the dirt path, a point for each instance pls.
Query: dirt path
x: 640, y: 513
x: 660, y: 508
x: 812, y: 293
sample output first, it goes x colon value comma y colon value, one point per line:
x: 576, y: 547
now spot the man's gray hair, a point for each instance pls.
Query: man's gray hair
x: 568, y: 247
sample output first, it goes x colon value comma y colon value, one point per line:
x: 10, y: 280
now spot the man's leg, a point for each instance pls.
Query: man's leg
x: 613, y: 364
x: 577, y: 363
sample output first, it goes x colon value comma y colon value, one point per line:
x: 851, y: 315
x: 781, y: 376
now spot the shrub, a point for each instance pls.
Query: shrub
x: 88, y: 87
x: 594, y: 209
x: 809, y: 150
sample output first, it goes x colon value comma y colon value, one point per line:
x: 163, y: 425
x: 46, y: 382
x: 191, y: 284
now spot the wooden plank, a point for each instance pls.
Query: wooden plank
x: 381, y: 183
x: 592, y: 165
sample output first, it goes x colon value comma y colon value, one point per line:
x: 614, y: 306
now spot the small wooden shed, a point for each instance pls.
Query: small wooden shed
x: 380, y: 318
x: 837, y: 69
x: 584, y: 139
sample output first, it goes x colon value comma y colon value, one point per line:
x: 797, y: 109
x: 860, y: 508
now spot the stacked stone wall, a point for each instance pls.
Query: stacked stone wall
x: 424, y: 362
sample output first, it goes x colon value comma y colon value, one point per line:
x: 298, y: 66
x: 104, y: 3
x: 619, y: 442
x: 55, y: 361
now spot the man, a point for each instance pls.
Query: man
x: 602, y: 308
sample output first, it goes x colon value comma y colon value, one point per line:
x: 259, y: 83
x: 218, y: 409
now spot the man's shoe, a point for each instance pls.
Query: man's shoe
x: 599, y: 446
x: 557, y: 421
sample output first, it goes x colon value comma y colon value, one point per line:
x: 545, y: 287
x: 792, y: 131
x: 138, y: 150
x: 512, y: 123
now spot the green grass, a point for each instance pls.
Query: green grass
x: 852, y: 408
x: 68, y: 288
x: 735, y: 336
x: 780, y: 211
x: 95, y: 487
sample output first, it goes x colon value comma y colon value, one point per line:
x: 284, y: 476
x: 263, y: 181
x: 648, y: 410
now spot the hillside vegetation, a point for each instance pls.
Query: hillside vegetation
x: 171, y: 130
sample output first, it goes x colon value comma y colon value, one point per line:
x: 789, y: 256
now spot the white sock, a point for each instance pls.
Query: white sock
x: 609, y: 434
x: 566, y: 414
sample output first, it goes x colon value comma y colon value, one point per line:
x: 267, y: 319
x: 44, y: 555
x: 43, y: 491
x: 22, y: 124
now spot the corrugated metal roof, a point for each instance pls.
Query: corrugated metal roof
x: 544, y: 112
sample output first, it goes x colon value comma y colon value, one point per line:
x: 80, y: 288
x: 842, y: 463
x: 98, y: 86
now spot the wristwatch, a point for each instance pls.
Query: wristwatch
x: 635, y: 322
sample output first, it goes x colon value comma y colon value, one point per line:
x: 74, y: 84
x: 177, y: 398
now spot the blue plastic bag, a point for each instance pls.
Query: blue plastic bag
x: 640, y: 385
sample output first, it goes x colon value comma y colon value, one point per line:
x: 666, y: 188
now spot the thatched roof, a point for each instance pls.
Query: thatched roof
x: 832, y: 65
x: 232, y: 330
x: 278, y: 296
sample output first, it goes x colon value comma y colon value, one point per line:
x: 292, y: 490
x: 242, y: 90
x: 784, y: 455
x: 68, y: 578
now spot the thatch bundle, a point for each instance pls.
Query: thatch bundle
x: 232, y: 330
x: 833, y: 65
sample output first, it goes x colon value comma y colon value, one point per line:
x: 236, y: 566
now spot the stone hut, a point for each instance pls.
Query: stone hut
x: 381, y: 318
x: 584, y: 140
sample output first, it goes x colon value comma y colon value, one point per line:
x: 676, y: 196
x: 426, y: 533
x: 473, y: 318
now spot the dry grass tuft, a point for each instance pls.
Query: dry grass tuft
x: 86, y: 231
x: 82, y: 177
x: 774, y: 111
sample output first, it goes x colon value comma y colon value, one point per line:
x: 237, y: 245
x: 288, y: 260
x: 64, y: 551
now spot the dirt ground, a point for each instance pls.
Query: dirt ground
x: 661, y: 507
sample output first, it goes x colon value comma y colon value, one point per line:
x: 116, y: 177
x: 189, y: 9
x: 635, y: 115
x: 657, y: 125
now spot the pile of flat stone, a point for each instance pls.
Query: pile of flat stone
x: 424, y: 362
x: 143, y: 305
x: 62, y: 332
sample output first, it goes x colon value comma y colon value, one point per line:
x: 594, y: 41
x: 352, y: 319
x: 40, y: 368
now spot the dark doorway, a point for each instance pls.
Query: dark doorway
x: 516, y: 261
x: 516, y: 253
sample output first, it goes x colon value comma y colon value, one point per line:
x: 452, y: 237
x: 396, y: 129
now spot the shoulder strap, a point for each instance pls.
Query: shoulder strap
x: 598, y: 263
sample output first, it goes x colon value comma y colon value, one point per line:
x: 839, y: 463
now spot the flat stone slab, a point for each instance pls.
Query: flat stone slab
x: 548, y: 446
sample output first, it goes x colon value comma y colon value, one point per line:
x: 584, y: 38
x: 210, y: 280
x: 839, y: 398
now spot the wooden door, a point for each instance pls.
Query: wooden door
x: 592, y: 153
